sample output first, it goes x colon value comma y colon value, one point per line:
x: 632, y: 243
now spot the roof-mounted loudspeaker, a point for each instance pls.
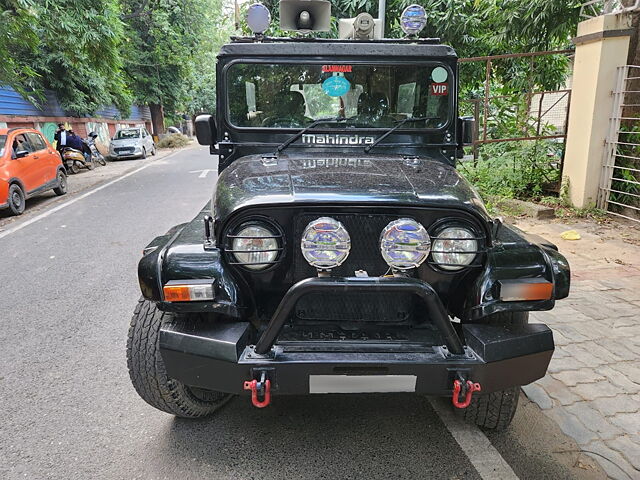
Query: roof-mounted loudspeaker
x: 305, y: 15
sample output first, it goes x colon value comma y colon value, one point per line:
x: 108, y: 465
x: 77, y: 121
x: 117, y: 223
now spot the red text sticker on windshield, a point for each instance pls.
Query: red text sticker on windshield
x: 336, y: 68
x: 439, y: 89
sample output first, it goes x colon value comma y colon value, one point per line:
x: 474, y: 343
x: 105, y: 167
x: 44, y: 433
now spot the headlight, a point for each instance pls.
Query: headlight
x: 454, y: 248
x: 325, y: 243
x: 404, y: 244
x: 255, y: 247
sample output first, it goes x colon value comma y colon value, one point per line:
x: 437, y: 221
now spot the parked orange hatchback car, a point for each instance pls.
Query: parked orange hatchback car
x: 29, y: 165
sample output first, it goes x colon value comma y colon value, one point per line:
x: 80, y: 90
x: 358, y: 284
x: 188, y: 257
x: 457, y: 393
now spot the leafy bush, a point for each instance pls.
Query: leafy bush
x: 514, y: 169
x: 174, y: 140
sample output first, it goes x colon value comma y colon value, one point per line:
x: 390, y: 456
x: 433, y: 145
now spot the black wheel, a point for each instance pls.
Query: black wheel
x: 144, y: 153
x: 148, y: 374
x: 91, y: 164
x: 495, y: 410
x: 61, y: 189
x: 153, y: 150
x: 16, y: 199
x: 74, y: 167
x: 101, y: 159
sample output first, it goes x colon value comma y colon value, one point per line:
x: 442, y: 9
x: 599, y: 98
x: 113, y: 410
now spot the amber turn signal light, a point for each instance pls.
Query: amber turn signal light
x: 187, y: 291
x: 525, y: 290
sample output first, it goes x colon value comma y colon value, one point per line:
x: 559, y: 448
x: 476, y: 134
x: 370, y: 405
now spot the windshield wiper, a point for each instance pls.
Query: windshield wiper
x: 396, y: 127
x: 297, y: 135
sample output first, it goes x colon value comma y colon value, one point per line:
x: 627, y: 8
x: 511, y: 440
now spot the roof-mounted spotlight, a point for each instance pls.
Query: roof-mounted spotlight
x: 413, y: 20
x: 258, y: 18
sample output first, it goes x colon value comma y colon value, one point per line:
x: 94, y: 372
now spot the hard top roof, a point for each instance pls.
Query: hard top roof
x: 248, y: 46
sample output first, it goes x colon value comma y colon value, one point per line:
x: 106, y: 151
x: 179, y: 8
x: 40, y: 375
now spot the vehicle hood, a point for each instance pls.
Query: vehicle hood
x: 311, y: 179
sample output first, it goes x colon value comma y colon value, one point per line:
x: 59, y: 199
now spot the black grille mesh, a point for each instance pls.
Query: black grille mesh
x: 364, y: 230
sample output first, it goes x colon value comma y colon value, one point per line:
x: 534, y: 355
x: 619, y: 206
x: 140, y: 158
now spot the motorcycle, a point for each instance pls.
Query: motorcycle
x: 74, y: 160
x: 90, y: 141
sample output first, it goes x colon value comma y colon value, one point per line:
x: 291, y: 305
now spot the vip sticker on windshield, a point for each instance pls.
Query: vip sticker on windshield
x: 439, y: 89
x: 336, y: 86
x: 439, y: 75
x: 336, y: 68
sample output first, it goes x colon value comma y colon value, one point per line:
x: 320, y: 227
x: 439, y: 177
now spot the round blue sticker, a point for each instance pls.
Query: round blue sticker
x: 336, y: 86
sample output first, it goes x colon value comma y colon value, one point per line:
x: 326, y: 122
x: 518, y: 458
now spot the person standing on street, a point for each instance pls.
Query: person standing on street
x: 61, y: 138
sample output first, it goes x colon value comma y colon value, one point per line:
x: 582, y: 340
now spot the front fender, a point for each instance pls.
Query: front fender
x: 180, y: 254
x: 517, y: 256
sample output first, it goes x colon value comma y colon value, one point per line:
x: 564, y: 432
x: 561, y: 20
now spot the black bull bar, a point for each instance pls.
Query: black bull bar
x: 333, y: 285
x: 220, y: 355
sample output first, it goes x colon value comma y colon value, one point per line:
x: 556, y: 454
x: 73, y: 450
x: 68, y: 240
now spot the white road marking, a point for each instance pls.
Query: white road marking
x: 481, y: 453
x: 203, y: 173
x: 74, y: 200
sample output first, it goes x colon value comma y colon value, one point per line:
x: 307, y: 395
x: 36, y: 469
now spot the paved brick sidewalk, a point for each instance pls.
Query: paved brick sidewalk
x: 592, y: 389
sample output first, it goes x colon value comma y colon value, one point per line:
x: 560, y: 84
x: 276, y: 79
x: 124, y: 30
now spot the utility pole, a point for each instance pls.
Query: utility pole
x: 382, y: 5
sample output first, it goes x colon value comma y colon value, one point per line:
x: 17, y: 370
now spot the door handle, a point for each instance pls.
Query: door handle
x: 36, y: 157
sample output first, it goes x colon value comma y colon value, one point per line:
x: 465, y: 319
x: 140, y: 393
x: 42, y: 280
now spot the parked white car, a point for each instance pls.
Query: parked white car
x: 133, y: 142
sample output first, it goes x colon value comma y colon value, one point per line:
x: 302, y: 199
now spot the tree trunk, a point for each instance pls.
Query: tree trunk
x: 157, y: 118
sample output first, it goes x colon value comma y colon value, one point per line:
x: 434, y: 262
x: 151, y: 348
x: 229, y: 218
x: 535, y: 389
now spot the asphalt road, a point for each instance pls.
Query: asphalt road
x: 67, y: 289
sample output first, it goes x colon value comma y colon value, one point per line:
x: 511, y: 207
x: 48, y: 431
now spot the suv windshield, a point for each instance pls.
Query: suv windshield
x: 367, y: 96
x: 134, y: 133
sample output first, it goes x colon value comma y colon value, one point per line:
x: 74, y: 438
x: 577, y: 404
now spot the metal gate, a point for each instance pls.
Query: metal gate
x: 620, y: 179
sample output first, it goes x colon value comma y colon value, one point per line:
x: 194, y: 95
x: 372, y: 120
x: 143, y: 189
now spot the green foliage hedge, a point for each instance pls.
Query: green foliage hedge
x: 515, y: 169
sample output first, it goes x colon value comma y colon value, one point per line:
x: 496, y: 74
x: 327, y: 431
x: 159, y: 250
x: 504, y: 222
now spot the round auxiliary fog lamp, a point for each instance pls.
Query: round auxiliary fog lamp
x: 404, y: 244
x: 413, y: 20
x: 325, y: 243
x: 258, y: 18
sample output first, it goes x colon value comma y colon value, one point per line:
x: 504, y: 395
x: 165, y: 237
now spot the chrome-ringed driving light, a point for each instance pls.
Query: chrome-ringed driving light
x: 454, y: 248
x: 325, y: 243
x: 404, y: 244
x: 413, y: 19
x: 255, y: 246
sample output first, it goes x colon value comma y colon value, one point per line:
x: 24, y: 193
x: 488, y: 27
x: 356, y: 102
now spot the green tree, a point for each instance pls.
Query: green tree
x: 72, y: 48
x: 164, y: 45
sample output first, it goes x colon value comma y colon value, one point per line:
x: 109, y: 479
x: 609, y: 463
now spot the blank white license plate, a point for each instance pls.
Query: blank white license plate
x: 361, y: 383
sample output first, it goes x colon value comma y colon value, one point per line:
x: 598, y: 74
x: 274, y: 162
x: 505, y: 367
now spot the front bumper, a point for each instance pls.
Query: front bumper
x: 121, y: 156
x: 222, y: 356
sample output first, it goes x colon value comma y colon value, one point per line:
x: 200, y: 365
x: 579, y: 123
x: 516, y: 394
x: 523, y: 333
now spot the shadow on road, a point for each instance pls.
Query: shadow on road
x: 340, y: 436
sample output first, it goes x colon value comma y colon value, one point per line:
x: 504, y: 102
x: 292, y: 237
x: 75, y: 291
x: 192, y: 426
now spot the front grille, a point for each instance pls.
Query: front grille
x: 123, y: 149
x: 364, y: 230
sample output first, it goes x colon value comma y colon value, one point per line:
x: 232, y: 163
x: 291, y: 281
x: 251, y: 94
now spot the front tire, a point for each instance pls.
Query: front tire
x: 144, y: 153
x: 17, y: 199
x: 493, y: 411
x: 148, y: 373
x: 61, y: 189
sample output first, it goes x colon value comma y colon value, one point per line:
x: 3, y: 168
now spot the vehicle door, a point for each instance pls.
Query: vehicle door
x: 47, y: 162
x: 25, y: 162
x: 145, y: 140
x: 149, y: 139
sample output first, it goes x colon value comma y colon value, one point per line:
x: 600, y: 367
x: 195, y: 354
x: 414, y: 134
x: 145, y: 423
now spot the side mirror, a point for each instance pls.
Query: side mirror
x: 21, y: 153
x: 467, y: 130
x: 206, y: 130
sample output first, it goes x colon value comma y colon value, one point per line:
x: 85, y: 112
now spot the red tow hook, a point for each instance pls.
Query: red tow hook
x: 470, y: 388
x: 253, y: 386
